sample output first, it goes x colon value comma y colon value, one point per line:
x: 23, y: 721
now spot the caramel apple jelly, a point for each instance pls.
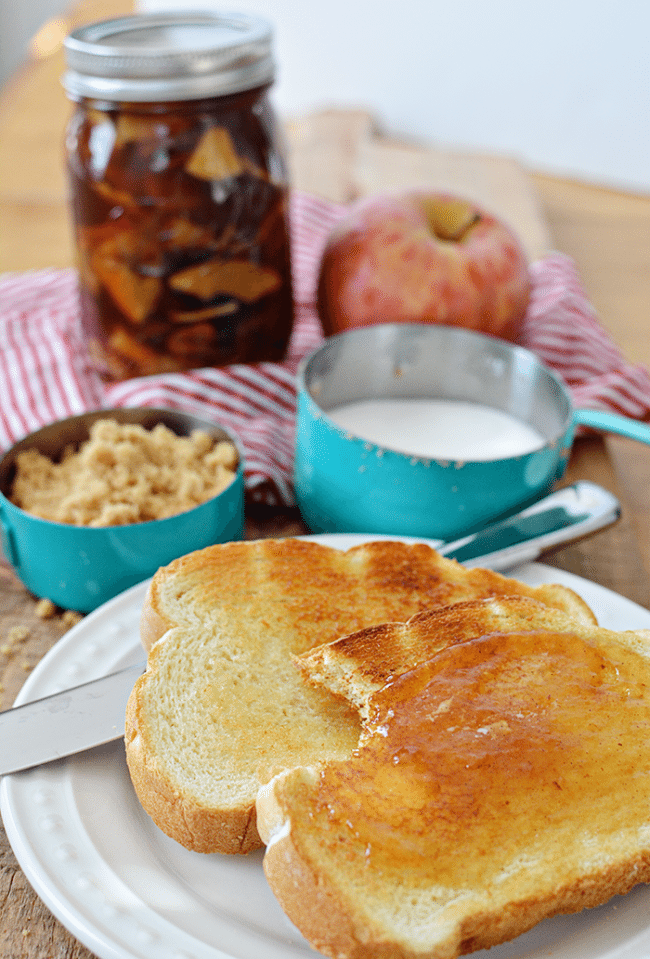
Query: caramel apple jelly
x: 179, y: 205
x: 508, y: 761
x: 184, y: 266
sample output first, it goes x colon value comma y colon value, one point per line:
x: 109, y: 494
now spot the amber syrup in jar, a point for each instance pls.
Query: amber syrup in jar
x: 179, y: 193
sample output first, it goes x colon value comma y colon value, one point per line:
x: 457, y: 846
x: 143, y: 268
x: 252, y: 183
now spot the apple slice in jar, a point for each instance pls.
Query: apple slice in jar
x: 214, y: 157
x: 118, y: 263
x: 241, y: 279
x: 126, y: 356
x: 207, y: 313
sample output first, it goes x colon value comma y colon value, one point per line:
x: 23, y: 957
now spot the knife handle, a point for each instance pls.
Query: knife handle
x: 561, y: 517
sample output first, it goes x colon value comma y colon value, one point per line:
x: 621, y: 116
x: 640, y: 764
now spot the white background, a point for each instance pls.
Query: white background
x: 563, y: 85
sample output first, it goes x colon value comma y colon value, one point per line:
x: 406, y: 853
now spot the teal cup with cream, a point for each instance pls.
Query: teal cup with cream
x: 430, y: 431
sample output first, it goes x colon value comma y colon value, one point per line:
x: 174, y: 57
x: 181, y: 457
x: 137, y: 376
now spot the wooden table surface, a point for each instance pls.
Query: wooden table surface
x: 341, y: 155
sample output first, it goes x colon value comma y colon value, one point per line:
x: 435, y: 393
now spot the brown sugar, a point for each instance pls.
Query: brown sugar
x: 124, y: 474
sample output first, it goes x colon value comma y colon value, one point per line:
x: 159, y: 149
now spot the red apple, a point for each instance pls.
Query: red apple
x: 423, y: 257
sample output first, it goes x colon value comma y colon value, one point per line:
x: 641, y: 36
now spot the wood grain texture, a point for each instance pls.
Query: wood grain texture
x: 342, y: 155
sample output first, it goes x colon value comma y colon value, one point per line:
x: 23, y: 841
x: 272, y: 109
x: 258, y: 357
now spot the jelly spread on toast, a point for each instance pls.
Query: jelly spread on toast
x: 487, y: 752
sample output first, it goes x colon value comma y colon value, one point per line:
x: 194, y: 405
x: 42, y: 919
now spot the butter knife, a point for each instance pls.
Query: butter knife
x: 67, y: 722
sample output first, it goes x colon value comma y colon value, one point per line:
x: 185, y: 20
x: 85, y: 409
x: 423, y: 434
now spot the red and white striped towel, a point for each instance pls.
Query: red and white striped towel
x: 46, y: 373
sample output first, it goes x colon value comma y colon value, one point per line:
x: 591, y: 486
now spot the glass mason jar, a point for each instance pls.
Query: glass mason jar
x: 179, y: 193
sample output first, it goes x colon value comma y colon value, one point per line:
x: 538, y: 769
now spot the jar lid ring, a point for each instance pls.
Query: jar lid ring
x: 169, y: 56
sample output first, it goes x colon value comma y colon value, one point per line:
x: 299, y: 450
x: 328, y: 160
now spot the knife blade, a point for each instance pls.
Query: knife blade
x: 91, y: 714
x: 67, y: 722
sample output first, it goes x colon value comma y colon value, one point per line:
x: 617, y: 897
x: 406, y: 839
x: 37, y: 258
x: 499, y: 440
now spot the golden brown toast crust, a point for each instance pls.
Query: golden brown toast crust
x: 222, y: 626
x: 502, y: 776
x: 357, y: 665
x: 397, y: 579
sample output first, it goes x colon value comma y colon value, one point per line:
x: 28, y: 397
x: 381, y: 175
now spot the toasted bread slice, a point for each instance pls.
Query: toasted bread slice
x: 221, y: 705
x: 502, y: 776
x: 358, y: 665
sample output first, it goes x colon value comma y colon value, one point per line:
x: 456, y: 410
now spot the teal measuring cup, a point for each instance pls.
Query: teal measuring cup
x: 81, y: 567
x: 344, y: 483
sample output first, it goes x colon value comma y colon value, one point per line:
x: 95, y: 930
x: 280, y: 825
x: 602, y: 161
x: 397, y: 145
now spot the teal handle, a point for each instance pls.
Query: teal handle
x: 613, y: 423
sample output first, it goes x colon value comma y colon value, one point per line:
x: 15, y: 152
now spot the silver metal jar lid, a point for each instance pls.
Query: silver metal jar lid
x: 168, y: 56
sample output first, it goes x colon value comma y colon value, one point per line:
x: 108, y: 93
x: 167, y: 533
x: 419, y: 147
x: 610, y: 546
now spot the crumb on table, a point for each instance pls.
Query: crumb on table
x: 45, y: 609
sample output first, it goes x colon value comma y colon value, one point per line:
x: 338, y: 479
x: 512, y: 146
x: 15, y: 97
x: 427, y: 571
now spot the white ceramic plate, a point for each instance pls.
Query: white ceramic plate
x: 126, y: 891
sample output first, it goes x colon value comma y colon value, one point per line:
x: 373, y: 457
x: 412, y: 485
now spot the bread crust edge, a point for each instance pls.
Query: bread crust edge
x: 320, y: 913
x: 152, y: 624
x: 230, y: 831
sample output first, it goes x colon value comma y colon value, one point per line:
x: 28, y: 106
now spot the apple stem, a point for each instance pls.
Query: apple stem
x: 464, y: 229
